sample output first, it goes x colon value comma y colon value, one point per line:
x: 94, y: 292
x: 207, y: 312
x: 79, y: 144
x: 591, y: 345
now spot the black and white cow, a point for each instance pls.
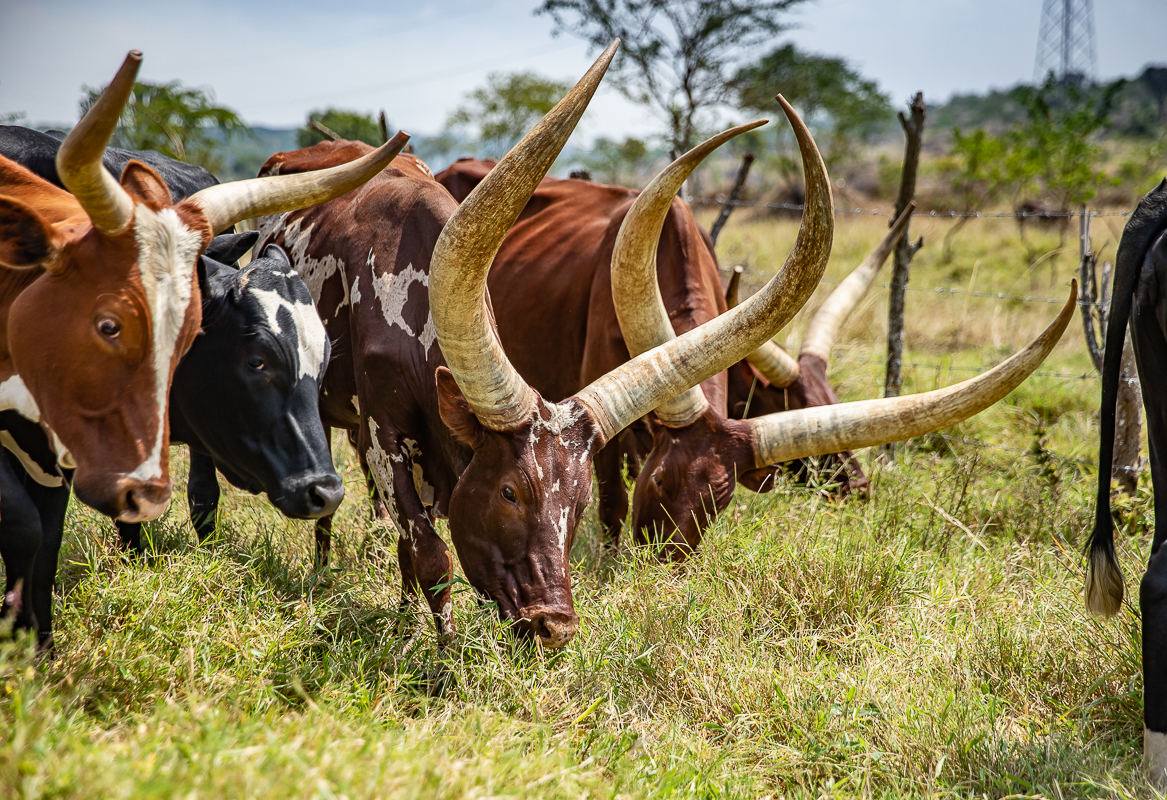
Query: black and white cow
x: 244, y: 399
x: 1140, y: 296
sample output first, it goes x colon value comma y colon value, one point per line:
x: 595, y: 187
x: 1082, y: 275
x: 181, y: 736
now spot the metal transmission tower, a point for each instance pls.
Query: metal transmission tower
x: 1065, y: 41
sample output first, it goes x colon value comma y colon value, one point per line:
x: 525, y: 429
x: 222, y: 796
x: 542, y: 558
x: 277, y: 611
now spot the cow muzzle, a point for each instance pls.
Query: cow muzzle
x: 552, y: 628
x: 140, y: 501
x: 309, y: 496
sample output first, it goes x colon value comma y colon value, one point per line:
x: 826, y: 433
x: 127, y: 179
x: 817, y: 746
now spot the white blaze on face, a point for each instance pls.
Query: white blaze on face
x: 167, y: 250
x: 309, y: 330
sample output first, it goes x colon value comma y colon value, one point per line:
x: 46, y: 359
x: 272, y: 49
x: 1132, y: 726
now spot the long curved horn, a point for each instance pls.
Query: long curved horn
x: 638, y: 386
x: 79, y: 166
x: 498, y: 395
x: 644, y: 320
x: 821, y: 333
x: 228, y: 203
x: 778, y: 366
x: 849, y: 426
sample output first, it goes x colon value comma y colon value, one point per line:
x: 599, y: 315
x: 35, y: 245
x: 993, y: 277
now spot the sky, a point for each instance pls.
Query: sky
x: 274, y: 61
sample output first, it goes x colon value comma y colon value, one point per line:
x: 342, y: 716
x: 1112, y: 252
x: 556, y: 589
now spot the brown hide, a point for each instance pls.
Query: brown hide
x: 76, y: 328
x: 514, y: 498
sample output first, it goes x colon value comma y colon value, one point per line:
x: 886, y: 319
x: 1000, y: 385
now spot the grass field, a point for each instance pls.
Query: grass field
x: 931, y: 642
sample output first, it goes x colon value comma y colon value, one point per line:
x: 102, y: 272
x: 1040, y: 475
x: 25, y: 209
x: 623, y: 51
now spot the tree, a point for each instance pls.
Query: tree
x: 828, y: 93
x: 506, y: 108
x: 978, y: 169
x: 1054, y: 150
x: 676, y: 55
x: 1154, y: 80
x: 614, y: 160
x: 351, y: 125
x: 177, y: 121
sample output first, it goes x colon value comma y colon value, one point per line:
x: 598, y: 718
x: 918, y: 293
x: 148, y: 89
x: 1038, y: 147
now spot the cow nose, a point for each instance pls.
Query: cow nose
x: 554, y: 628
x: 141, y: 501
x: 323, y: 495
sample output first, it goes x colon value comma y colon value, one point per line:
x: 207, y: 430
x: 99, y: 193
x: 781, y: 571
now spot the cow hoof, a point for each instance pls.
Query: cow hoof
x: 1155, y: 757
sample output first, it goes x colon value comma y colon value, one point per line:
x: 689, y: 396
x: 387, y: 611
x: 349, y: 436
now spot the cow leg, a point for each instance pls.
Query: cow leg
x: 377, y: 508
x: 613, y: 505
x: 1151, y: 354
x: 202, y: 494
x: 130, y: 536
x: 424, y: 558
x: 322, y: 529
x: 52, y: 503
x: 20, y: 539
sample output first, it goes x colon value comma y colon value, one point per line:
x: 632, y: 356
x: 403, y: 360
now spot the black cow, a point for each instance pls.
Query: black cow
x: 244, y: 399
x: 37, y: 152
x: 1140, y: 296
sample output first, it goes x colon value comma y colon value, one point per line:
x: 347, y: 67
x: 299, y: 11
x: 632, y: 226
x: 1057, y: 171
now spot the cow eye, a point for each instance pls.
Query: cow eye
x: 656, y: 479
x: 255, y: 362
x: 109, y: 327
x: 508, y: 493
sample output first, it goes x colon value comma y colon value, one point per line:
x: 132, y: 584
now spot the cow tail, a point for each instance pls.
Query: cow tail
x: 1104, y: 583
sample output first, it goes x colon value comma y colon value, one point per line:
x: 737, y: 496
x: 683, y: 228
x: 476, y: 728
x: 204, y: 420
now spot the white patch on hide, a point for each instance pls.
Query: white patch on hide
x: 167, y: 250
x: 356, y: 404
x: 355, y: 292
x: 393, y: 292
x: 378, y: 461
x: 310, y: 337
x: 425, y: 491
x: 313, y: 271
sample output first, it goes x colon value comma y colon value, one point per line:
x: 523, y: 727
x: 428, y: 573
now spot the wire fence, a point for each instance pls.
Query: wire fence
x: 1091, y: 375
x: 877, y: 212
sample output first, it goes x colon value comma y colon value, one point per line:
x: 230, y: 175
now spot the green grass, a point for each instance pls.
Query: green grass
x: 931, y: 642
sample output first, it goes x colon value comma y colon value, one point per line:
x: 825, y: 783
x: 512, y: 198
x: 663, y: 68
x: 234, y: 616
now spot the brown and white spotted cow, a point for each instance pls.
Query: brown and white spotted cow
x: 444, y: 424
x: 99, y: 299
x: 555, y: 271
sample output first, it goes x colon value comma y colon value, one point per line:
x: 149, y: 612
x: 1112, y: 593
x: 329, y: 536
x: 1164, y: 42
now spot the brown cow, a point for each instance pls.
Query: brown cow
x: 553, y: 271
x: 99, y: 300
x: 445, y: 425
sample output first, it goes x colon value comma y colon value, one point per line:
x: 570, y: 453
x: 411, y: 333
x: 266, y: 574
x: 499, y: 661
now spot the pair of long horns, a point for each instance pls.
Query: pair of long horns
x: 837, y: 428
x: 779, y: 367
x: 111, y: 209
x: 499, y: 396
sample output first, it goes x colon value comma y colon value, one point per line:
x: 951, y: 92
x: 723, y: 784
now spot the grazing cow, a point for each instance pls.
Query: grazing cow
x: 1140, y: 297
x: 554, y: 270
x: 447, y: 427
x: 101, y: 301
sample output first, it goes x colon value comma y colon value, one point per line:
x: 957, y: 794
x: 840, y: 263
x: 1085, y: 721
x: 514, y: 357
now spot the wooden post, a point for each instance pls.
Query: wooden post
x: 1128, y: 408
x: 384, y: 123
x: 727, y: 209
x: 913, y: 126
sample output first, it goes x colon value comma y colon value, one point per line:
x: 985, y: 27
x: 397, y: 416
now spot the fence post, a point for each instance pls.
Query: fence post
x: 727, y: 209
x: 913, y: 126
x: 383, y: 123
x: 1128, y: 408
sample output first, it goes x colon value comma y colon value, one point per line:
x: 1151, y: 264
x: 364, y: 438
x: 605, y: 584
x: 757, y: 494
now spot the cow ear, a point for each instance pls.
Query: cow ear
x: 456, y: 412
x: 26, y: 238
x: 278, y: 254
x: 227, y: 248
x: 211, y: 290
x: 143, y: 183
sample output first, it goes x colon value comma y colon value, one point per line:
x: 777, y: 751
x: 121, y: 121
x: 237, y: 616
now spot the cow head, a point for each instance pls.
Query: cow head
x: 246, y: 392
x: 515, y: 509
x: 96, y: 337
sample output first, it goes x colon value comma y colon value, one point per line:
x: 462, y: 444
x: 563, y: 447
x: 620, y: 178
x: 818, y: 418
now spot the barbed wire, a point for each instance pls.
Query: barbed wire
x: 945, y: 290
x: 713, y: 201
x: 1069, y: 459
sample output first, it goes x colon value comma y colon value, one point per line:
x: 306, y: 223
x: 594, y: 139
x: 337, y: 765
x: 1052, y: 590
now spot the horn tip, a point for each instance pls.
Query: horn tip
x: 134, y: 55
x: 738, y: 270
